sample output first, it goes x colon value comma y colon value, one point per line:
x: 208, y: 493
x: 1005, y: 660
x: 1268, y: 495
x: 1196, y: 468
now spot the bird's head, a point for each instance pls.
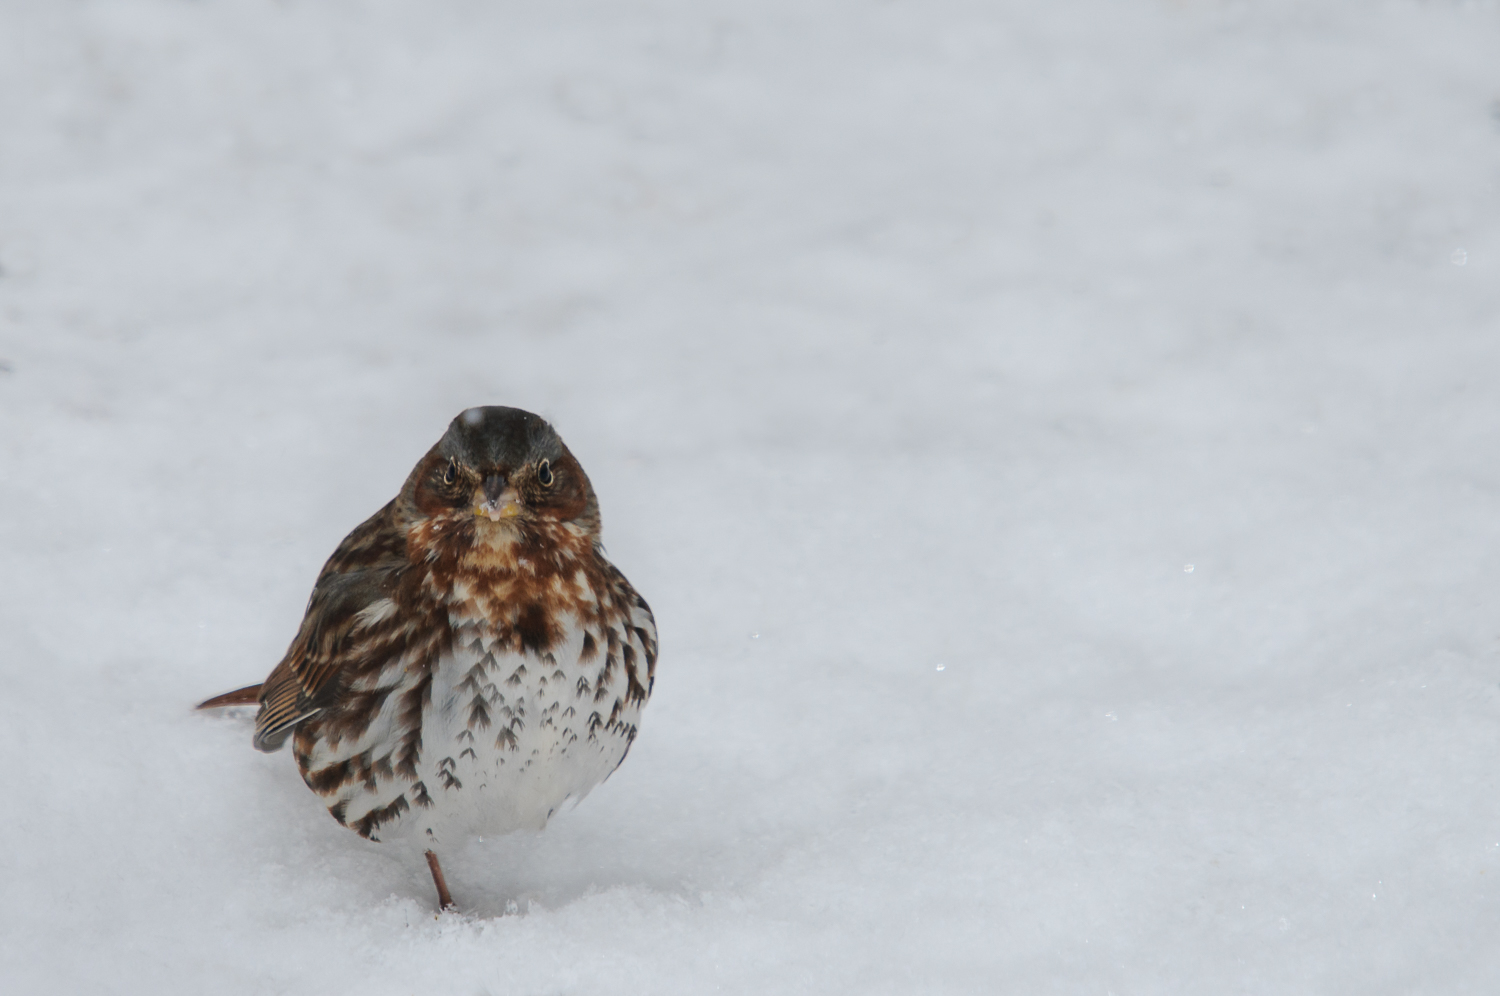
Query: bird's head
x: 502, y: 468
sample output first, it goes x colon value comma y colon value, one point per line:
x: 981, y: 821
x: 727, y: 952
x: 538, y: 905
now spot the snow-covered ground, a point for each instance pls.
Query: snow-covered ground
x: 1060, y: 441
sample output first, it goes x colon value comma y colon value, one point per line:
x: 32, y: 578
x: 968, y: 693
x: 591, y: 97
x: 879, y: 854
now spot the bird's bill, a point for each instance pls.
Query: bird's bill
x: 505, y: 505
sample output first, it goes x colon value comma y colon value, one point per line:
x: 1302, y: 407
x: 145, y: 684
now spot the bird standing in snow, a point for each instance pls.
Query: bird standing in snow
x: 469, y: 660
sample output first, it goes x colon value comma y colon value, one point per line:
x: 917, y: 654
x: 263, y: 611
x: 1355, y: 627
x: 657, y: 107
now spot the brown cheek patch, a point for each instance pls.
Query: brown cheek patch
x: 427, y: 500
x: 572, y: 501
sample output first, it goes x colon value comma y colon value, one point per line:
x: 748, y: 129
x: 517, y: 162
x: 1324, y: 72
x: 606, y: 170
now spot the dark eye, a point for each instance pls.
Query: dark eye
x: 451, y: 474
x: 544, y: 473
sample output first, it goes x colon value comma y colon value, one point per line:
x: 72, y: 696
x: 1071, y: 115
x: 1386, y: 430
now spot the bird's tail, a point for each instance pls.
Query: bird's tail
x: 249, y: 695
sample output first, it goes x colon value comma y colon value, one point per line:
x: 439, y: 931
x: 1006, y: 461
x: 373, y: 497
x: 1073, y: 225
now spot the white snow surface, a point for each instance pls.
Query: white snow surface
x: 1058, y: 441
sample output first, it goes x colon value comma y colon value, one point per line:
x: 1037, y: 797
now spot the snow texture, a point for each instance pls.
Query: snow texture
x: 1058, y: 441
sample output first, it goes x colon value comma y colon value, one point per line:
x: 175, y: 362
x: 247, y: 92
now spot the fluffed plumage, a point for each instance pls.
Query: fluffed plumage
x: 469, y: 661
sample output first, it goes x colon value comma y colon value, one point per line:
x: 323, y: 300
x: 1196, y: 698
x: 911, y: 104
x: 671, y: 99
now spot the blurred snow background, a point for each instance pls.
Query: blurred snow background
x: 1058, y: 442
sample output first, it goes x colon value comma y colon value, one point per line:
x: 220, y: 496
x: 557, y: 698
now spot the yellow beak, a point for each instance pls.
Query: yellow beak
x: 504, y: 507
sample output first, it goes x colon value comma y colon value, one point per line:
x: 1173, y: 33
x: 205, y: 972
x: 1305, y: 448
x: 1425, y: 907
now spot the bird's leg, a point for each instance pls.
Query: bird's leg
x: 445, y: 899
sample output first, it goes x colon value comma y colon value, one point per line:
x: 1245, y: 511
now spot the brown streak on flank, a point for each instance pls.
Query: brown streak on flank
x: 366, y: 771
x: 590, y: 648
x: 648, y: 643
x: 637, y: 692
x: 338, y: 809
x: 410, y: 719
x: 634, y: 690
x: 419, y: 795
x: 357, y: 711
x: 366, y: 825
x: 325, y: 780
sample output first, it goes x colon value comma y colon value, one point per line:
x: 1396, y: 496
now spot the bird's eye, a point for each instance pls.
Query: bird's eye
x: 544, y: 473
x: 451, y: 474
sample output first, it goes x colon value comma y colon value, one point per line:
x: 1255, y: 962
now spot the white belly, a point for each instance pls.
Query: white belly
x: 508, y: 737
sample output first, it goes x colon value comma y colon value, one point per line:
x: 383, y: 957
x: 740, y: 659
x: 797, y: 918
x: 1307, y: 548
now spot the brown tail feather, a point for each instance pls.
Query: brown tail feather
x: 249, y: 695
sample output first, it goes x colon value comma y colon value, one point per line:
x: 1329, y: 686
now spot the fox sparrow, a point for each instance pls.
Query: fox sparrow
x: 469, y: 660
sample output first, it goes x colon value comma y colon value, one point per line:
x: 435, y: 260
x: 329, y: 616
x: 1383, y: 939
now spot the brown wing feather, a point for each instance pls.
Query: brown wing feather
x: 363, y: 570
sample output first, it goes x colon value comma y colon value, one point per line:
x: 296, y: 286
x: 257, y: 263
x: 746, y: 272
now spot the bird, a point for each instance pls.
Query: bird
x: 469, y: 660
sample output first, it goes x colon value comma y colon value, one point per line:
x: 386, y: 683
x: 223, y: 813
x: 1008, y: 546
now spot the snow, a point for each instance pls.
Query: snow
x: 1057, y: 440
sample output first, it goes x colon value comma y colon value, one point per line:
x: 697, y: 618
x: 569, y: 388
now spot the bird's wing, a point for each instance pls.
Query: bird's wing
x: 352, y: 598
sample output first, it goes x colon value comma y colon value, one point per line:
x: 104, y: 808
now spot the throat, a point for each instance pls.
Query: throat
x: 496, y: 546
